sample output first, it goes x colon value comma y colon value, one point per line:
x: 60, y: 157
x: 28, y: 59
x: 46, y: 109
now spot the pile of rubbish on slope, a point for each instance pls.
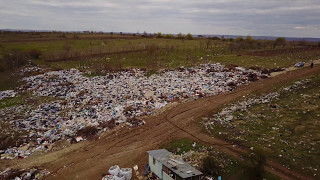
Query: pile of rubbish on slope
x: 115, y: 173
x: 110, y: 100
x: 24, y: 174
x: 7, y: 93
x: 226, y: 115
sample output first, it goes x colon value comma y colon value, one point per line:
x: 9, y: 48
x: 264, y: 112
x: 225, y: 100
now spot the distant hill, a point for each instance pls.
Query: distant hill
x: 310, y: 39
x: 266, y: 37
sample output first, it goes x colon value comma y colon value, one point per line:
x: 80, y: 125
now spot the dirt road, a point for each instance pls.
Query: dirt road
x: 127, y: 147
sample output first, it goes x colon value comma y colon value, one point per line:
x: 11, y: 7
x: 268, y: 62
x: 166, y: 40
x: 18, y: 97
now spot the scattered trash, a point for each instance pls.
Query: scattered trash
x: 135, y: 167
x: 115, y: 173
x: 79, y: 138
x: 127, y: 172
x: 299, y: 64
x: 114, y: 170
x: 24, y: 174
x: 7, y: 93
x: 103, y: 102
x: 108, y: 177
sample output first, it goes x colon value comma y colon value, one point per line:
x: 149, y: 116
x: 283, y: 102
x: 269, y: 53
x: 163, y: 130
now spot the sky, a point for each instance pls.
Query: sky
x: 289, y: 18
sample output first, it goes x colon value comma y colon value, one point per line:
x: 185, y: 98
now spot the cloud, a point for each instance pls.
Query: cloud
x: 238, y: 17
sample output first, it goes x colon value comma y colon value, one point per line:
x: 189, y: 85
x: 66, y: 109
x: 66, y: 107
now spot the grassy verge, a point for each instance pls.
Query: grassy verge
x: 285, y: 129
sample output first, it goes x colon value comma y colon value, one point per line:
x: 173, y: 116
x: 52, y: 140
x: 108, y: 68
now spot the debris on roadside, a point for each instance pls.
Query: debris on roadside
x: 115, y: 173
x: 24, y: 174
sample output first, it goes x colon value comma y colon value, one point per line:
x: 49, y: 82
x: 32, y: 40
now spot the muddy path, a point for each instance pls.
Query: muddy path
x: 127, y: 146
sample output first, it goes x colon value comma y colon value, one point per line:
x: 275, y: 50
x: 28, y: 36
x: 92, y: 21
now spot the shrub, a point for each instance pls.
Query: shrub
x: 189, y: 36
x: 180, y: 36
x: 209, y: 166
x: 34, y: 53
x: 15, y: 59
x: 3, y: 66
x: 152, y: 48
x: 159, y: 35
x: 87, y: 132
x: 255, y: 169
x: 168, y: 36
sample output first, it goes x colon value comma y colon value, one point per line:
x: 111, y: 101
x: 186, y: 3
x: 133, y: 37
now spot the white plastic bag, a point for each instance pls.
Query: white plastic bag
x: 127, y: 172
x: 120, y: 177
x: 108, y: 177
x: 114, y: 170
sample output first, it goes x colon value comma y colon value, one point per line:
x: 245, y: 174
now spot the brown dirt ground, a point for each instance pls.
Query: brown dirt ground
x: 127, y: 146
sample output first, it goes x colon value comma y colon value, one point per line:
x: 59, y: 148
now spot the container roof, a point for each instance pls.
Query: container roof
x: 178, y: 166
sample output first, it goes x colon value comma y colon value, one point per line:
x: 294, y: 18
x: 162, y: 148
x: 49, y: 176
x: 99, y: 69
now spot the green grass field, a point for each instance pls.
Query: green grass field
x: 285, y: 129
x: 166, y: 53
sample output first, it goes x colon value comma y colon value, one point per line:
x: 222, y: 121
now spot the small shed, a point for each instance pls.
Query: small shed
x: 163, y: 164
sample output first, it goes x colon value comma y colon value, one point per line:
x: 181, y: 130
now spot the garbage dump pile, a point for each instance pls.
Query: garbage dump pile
x: 24, y: 174
x: 115, y: 98
x: 225, y: 117
x: 7, y: 94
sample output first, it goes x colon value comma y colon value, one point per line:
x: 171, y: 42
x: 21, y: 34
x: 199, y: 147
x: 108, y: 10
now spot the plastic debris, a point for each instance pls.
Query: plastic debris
x: 114, y: 170
x: 24, y: 174
x: 115, y: 173
x: 7, y: 93
x: 79, y: 138
x: 106, y: 101
x: 135, y: 168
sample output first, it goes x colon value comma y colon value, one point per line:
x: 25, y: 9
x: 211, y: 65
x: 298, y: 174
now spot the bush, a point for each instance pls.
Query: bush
x: 87, y: 132
x: 3, y: 66
x: 34, y: 53
x: 180, y: 36
x: 255, y: 169
x: 159, y: 35
x: 189, y: 36
x: 15, y: 59
x: 209, y: 166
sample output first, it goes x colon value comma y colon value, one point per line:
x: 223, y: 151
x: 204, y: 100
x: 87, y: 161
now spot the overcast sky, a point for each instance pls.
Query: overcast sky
x: 296, y: 18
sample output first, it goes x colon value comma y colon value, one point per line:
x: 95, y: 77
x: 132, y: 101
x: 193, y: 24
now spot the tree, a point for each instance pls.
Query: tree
x: 249, y: 38
x: 208, y: 43
x: 189, y: 36
x: 209, y: 166
x: 168, y: 36
x: 280, y: 41
x: 233, y: 47
x: 250, y: 43
x: 145, y: 34
x: 239, y: 39
x: 180, y: 36
x: 257, y: 163
x: 159, y: 35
